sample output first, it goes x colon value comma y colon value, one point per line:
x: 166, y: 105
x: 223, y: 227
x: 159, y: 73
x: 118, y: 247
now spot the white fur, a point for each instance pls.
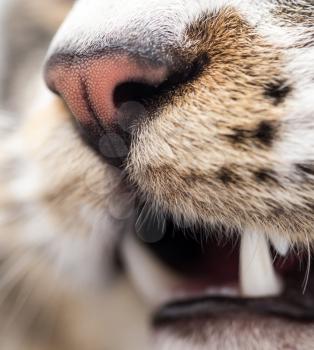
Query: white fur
x: 90, y: 21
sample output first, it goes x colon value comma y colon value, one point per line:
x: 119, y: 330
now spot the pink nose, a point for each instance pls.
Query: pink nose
x: 100, y: 91
x: 110, y: 92
x: 90, y: 85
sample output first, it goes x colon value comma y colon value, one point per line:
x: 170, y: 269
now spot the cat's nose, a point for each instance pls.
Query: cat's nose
x: 96, y: 87
x: 104, y: 92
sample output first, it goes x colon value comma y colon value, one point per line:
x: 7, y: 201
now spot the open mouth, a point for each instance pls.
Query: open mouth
x: 204, y: 273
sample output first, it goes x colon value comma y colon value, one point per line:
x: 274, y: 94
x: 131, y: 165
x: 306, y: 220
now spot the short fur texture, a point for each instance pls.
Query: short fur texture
x: 232, y: 147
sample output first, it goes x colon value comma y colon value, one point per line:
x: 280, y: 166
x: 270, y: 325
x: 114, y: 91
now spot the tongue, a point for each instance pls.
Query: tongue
x: 257, y: 275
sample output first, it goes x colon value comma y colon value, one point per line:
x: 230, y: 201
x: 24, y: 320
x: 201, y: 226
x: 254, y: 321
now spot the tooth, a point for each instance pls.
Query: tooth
x: 156, y: 283
x: 280, y: 243
x: 257, y: 275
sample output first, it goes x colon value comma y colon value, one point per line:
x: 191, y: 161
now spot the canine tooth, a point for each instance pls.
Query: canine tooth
x: 152, y: 279
x: 257, y: 275
x: 281, y: 244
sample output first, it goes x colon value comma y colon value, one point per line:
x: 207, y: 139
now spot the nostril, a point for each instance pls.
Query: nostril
x: 133, y: 92
x: 131, y: 99
x: 142, y: 92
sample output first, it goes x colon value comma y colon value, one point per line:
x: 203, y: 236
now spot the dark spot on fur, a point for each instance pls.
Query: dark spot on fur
x: 266, y: 176
x: 227, y: 176
x: 306, y: 168
x: 265, y: 132
x: 277, y: 91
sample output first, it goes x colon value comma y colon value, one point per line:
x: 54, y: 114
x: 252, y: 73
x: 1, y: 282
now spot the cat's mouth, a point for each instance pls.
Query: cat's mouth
x: 191, y: 273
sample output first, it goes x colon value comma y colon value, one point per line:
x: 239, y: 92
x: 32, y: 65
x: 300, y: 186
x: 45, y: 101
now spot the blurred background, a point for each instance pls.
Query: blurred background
x: 26, y: 28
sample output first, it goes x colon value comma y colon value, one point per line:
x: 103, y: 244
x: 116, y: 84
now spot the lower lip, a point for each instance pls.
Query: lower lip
x: 213, y: 307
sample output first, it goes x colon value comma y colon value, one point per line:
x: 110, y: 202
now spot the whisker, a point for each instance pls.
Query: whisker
x: 149, y: 226
x: 308, y: 267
